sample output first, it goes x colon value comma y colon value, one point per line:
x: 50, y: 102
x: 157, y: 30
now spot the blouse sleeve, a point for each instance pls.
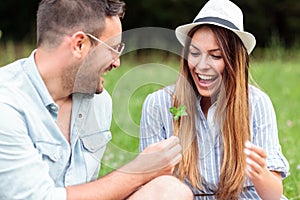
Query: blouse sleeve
x: 150, y: 125
x: 156, y: 121
x: 265, y: 133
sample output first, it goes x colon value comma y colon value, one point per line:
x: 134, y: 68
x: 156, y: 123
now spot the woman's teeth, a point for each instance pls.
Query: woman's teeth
x: 206, y: 77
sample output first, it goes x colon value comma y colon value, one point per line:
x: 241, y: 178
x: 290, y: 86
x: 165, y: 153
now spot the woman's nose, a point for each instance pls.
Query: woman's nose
x: 203, y: 63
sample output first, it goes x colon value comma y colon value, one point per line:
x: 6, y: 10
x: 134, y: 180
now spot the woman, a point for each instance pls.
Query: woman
x: 224, y: 112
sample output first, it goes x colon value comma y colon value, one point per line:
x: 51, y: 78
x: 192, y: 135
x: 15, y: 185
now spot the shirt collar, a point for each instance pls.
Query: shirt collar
x: 33, y: 74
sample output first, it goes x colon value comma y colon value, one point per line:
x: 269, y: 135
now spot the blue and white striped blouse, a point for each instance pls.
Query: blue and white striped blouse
x: 156, y: 124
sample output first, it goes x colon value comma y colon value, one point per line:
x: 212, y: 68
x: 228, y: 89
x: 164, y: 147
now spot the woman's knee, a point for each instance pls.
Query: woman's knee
x: 165, y: 187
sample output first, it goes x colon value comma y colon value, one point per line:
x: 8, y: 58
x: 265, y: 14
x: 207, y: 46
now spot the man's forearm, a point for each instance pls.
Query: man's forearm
x: 156, y: 160
x: 118, y: 184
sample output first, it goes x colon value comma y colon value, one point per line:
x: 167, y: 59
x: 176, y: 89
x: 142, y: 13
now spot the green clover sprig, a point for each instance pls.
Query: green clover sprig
x: 178, y: 112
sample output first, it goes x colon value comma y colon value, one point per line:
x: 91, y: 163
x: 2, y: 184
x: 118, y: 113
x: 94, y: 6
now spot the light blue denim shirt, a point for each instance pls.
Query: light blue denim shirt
x: 36, y: 160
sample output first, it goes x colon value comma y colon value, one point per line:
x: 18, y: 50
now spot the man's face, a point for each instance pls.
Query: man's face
x: 100, y: 59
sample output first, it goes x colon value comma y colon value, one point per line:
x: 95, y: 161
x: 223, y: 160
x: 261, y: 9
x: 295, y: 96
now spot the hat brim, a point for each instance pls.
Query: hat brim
x: 247, y: 38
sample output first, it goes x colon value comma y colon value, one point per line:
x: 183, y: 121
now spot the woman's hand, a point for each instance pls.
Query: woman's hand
x: 256, y: 167
x: 268, y: 184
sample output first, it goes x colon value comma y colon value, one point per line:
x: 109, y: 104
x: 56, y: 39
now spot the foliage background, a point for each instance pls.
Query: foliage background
x: 263, y: 18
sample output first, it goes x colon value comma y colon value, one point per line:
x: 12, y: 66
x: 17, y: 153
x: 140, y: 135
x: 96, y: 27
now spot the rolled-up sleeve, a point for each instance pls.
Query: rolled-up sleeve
x: 23, y: 173
x: 265, y: 134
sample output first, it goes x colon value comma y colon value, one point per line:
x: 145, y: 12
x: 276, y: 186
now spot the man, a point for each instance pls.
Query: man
x: 55, y: 114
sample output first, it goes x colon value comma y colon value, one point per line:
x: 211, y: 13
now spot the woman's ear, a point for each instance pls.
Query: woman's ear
x: 80, y: 44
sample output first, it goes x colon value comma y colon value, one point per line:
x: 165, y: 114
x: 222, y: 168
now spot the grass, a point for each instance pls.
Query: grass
x: 277, y: 74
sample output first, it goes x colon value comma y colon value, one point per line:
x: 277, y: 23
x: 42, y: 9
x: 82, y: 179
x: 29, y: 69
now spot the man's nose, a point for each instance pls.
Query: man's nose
x: 116, y: 63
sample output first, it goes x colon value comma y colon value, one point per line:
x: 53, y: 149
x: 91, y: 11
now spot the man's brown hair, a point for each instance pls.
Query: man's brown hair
x: 56, y: 18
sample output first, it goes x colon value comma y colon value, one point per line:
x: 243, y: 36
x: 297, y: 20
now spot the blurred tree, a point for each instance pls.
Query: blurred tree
x: 17, y: 18
x: 263, y: 18
x: 272, y: 18
x: 158, y: 13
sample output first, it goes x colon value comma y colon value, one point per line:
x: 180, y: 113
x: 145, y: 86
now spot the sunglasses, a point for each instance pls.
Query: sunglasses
x: 117, y: 49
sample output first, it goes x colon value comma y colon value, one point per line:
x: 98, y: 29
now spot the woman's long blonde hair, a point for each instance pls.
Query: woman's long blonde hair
x: 232, y: 115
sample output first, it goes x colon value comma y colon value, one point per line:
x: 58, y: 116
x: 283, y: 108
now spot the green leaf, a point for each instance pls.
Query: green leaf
x: 182, y: 111
x: 178, y: 112
x: 173, y: 110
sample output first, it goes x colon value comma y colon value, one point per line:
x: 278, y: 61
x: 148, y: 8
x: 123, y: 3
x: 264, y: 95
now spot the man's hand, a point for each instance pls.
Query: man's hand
x: 157, y: 159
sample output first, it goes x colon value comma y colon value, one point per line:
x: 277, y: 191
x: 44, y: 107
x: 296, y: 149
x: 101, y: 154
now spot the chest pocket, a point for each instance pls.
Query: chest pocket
x: 95, y: 143
x: 48, y: 150
x: 51, y: 153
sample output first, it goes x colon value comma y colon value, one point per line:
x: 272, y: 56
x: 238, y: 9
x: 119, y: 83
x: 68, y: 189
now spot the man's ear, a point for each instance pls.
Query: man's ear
x: 80, y: 44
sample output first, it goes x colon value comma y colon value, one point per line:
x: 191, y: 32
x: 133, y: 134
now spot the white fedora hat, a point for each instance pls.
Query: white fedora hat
x: 222, y: 13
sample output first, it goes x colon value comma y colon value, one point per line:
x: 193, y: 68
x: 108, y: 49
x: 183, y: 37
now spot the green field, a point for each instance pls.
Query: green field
x: 277, y: 74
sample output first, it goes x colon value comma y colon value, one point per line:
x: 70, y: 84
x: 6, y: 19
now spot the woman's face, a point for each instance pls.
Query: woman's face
x: 205, y: 62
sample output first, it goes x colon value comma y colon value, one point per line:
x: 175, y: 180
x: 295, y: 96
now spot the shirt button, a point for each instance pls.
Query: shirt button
x: 53, y: 108
x: 80, y: 115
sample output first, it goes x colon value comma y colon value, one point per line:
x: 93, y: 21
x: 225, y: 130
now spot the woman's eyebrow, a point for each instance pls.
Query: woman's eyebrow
x: 192, y: 45
x: 213, y: 50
